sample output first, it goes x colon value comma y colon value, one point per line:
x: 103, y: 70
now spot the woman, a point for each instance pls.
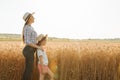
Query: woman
x: 29, y: 38
x: 43, y: 59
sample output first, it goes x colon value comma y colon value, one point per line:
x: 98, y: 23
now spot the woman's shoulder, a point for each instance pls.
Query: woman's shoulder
x: 27, y: 27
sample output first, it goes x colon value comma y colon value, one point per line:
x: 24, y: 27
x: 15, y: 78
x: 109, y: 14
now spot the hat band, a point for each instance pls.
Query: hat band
x: 27, y: 17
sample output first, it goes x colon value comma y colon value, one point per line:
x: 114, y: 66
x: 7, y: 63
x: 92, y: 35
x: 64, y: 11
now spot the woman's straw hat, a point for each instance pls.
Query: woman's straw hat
x: 27, y: 15
x: 41, y: 36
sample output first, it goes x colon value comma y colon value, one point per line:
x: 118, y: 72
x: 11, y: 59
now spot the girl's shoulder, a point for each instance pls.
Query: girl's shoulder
x: 38, y: 50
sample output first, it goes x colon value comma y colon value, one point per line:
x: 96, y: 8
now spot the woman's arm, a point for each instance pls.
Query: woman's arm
x: 35, y: 46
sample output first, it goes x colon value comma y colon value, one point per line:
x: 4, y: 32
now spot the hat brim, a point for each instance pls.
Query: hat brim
x: 46, y: 36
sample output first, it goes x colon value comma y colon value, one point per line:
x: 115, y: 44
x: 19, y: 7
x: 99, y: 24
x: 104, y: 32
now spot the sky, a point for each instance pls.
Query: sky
x: 76, y: 19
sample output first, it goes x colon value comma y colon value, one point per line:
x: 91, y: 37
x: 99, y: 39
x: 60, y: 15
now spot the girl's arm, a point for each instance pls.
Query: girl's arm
x: 41, y: 62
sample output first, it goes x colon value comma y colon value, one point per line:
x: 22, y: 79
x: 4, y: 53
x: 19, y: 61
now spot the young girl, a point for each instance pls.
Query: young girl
x: 42, y: 59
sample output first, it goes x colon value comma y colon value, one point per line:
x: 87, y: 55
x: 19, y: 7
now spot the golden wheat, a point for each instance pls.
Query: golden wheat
x: 84, y: 60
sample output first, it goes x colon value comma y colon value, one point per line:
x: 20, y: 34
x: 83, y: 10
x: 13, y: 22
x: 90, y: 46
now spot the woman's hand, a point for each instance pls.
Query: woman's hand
x: 41, y: 48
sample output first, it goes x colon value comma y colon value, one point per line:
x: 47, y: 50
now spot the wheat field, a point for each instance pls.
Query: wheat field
x: 81, y: 60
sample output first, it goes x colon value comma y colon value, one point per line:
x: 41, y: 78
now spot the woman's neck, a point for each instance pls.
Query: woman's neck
x: 41, y: 45
x: 29, y: 24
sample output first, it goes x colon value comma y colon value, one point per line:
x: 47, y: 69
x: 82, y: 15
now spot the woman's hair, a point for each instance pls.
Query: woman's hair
x: 24, y: 27
x: 23, y: 32
x: 44, y: 38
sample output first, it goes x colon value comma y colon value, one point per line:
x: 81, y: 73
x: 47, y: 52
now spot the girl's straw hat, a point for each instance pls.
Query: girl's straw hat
x: 41, y: 36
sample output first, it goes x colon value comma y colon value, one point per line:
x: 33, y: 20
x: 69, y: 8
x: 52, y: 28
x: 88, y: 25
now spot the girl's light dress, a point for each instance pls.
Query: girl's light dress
x: 45, y: 60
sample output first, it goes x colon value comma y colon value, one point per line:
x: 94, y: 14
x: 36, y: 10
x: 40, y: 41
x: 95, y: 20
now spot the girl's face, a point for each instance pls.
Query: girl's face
x: 44, y: 42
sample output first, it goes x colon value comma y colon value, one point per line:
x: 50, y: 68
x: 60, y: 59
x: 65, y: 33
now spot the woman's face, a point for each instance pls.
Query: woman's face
x: 31, y: 19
